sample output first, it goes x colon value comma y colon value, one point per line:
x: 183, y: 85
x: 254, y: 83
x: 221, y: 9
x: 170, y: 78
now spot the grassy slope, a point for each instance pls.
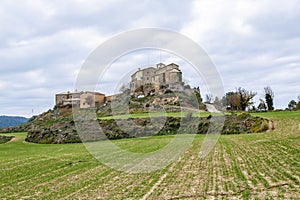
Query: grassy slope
x: 154, y: 114
x: 244, y: 166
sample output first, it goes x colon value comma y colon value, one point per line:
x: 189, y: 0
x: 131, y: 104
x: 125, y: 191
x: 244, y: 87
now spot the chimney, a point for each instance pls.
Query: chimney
x: 159, y: 65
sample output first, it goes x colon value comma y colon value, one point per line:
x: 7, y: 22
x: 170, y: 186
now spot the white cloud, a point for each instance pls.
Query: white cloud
x: 44, y: 43
x: 252, y: 43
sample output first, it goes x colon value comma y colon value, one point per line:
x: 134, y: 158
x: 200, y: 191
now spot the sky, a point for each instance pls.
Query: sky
x: 43, y: 45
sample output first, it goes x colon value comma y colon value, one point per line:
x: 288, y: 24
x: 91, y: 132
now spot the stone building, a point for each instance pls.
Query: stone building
x: 110, y: 97
x: 80, y: 99
x: 153, y: 79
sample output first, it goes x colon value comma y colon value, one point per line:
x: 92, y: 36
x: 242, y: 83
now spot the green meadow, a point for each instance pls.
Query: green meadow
x: 246, y: 166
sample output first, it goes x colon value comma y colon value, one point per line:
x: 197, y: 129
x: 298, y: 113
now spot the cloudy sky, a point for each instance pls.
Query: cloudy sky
x: 43, y: 44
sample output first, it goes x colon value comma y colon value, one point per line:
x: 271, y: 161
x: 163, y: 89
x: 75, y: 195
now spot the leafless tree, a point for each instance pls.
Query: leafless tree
x: 245, y: 98
x: 125, y: 88
x: 208, y: 98
x: 240, y: 99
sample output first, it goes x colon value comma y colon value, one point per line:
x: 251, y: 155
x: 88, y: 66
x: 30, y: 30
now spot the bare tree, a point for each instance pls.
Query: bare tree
x: 238, y: 100
x: 208, y: 98
x: 245, y: 98
x: 218, y: 101
x: 125, y: 88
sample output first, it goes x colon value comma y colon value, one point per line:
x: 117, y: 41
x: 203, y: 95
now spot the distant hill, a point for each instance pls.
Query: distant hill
x: 10, y: 121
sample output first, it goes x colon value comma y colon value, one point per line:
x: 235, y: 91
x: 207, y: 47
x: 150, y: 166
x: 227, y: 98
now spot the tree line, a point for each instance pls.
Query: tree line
x: 294, y: 105
x: 242, y: 99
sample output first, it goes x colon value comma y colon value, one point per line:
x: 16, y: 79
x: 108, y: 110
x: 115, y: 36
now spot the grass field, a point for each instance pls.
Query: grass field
x: 250, y: 166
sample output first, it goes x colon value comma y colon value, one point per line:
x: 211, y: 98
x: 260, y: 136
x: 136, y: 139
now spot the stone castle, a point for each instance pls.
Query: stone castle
x: 151, y: 80
x: 157, y: 80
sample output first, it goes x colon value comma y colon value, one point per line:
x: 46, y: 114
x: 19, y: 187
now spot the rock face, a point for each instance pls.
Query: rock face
x: 58, y: 127
x: 56, y: 134
x: 244, y: 123
x: 54, y: 126
x: 4, y: 139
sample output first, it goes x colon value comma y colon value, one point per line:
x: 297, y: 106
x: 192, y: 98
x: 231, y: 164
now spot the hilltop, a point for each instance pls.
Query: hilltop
x: 58, y: 126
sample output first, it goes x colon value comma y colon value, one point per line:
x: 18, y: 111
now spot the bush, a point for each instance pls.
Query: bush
x: 4, y: 139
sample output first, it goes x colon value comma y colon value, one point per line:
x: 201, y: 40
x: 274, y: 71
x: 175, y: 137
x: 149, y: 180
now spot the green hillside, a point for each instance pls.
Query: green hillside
x: 58, y: 125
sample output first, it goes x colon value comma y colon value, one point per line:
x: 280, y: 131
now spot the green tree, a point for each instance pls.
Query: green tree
x: 198, y: 94
x: 262, y: 105
x: 231, y: 101
x: 292, y: 105
x: 269, y: 97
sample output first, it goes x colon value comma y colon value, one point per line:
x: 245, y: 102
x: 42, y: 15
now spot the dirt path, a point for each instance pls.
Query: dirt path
x: 6, y: 139
x: 12, y: 139
x: 211, y: 108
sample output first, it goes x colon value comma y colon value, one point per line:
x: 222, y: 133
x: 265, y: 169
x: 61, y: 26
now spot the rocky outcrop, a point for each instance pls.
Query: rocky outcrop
x: 65, y: 132
x: 244, y: 123
x: 58, y: 126
x: 5, y: 139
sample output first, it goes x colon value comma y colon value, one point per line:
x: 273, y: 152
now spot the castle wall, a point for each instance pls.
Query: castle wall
x: 162, y: 75
x: 80, y: 99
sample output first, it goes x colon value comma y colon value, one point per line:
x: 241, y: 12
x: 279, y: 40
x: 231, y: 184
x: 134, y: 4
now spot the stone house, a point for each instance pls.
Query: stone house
x: 110, y: 97
x: 153, y: 79
x: 82, y: 99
